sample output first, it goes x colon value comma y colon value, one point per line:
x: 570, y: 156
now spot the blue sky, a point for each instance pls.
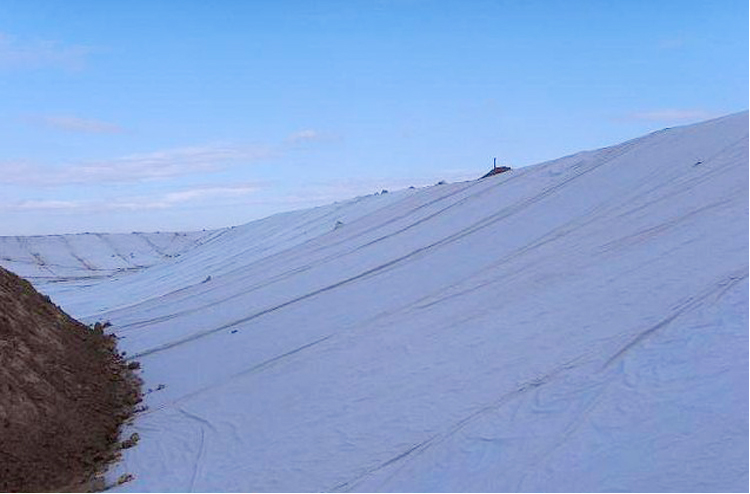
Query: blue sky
x: 177, y: 115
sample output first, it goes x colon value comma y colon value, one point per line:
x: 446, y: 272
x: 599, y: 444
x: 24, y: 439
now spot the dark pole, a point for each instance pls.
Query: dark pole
x: 494, y: 163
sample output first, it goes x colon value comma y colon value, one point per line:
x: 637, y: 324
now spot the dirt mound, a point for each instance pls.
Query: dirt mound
x: 64, y: 392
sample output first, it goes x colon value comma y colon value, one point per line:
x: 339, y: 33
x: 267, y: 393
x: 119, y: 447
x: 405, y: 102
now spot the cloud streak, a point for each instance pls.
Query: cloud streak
x: 69, y: 123
x: 306, y: 136
x: 34, y: 54
x: 142, y: 167
x: 135, y: 168
x: 303, y: 136
x: 205, y: 195
x: 41, y: 205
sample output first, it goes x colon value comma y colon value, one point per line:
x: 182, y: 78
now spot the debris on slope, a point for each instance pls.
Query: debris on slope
x: 64, y: 392
x: 496, y: 170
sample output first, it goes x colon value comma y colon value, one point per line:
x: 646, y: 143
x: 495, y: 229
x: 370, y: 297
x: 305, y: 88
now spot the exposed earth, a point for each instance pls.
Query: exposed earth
x: 64, y: 392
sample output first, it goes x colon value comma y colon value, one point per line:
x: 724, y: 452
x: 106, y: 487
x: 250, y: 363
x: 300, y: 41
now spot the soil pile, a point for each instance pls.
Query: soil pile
x: 64, y: 392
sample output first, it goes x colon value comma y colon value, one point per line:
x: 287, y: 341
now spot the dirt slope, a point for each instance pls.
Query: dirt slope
x: 63, y: 394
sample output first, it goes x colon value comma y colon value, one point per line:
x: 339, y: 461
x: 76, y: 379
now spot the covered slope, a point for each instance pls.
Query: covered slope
x: 86, y: 256
x: 578, y: 325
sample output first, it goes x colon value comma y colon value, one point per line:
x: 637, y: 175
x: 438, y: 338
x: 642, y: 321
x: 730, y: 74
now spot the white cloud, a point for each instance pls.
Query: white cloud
x: 158, y: 165
x: 212, y: 195
x: 670, y: 115
x: 77, y: 124
x: 43, y: 205
x: 308, y: 135
x: 304, y: 135
x: 142, y: 167
x: 32, y: 54
x: 205, y: 195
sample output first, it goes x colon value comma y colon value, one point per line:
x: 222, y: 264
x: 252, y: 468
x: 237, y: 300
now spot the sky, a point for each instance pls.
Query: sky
x: 177, y: 115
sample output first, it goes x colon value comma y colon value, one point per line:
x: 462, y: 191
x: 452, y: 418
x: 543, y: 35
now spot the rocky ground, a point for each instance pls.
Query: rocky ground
x: 64, y: 393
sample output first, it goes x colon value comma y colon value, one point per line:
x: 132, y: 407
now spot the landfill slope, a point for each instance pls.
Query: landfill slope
x: 578, y: 325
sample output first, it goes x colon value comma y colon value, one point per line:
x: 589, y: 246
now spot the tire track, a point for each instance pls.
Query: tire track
x: 108, y: 242
x: 203, y: 423
x: 279, y: 257
x: 596, y: 381
x: 66, y: 241
x: 421, y: 447
x: 480, y: 225
x: 38, y: 260
x: 152, y: 245
x: 250, y: 370
x: 689, y: 304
